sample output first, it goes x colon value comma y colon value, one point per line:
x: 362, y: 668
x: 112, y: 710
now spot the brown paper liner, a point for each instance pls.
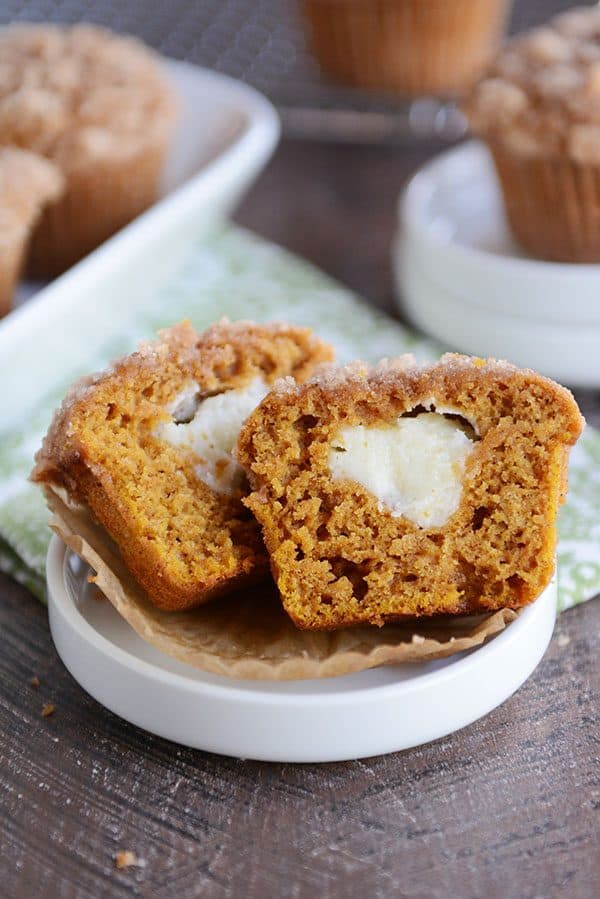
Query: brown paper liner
x: 411, y: 47
x: 98, y: 201
x: 12, y: 254
x: 248, y: 635
x: 552, y: 205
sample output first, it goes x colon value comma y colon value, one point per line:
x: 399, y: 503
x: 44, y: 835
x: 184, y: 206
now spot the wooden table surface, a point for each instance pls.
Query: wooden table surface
x: 507, y: 807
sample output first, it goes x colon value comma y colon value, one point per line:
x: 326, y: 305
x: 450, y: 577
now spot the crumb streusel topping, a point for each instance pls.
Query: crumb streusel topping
x: 542, y: 94
x: 76, y: 94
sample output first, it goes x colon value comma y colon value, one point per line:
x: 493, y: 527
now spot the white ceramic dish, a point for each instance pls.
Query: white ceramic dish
x: 461, y: 278
x: 335, y: 719
x: 226, y: 134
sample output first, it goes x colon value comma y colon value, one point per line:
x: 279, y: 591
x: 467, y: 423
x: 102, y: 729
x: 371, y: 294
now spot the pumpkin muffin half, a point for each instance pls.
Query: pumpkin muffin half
x: 401, y: 491
x: 145, y: 447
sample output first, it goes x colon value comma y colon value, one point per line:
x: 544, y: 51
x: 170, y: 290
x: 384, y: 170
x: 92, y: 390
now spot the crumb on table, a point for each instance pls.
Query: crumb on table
x: 125, y: 858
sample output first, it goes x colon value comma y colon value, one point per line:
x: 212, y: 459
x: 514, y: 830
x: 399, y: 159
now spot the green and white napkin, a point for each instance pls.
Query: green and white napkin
x: 234, y: 273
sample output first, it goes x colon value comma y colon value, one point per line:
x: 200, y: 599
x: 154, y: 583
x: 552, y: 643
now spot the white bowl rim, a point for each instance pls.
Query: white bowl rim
x: 410, y: 210
x: 58, y: 595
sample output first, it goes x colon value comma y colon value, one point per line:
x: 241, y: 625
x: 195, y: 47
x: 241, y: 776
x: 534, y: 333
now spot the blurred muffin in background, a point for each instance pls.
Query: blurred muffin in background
x: 410, y: 47
x: 538, y: 109
x: 27, y: 183
x: 99, y: 107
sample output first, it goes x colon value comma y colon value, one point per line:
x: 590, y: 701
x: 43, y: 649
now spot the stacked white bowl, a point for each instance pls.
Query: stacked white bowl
x: 462, y: 279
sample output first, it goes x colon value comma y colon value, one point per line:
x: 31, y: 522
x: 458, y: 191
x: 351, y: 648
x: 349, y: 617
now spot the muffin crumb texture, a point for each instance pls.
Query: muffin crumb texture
x: 183, y: 541
x: 340, y: 556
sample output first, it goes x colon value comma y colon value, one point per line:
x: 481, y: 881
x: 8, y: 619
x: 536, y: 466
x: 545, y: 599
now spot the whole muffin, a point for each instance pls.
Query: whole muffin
x: 27, y: 183
x: 538, y: 109
x: 99, y: 107
x: 411, y: 47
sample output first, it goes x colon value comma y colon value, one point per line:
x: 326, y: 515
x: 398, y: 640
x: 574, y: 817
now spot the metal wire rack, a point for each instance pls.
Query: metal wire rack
x: 263, y: 42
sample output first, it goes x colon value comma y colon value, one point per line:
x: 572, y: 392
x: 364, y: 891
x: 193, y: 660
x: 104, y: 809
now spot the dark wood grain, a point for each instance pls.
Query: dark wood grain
x: 506, y: 808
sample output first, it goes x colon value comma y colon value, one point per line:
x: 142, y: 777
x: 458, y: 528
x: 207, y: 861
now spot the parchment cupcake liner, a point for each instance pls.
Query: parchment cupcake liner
x: 411, y: 47
x: 248, y: 635
x: 552, y: 204
x: 98, y: 201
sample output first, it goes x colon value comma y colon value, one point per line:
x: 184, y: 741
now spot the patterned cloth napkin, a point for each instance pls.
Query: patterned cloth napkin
x: 234, y: 273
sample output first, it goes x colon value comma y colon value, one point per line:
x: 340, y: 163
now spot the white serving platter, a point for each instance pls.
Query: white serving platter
x: 461, y: 277
x: 226, y: 134
x: 335, y: 719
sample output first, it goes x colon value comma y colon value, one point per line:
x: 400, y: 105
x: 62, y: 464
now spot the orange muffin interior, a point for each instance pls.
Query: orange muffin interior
x: 170, y: 497
x: 476, y: 455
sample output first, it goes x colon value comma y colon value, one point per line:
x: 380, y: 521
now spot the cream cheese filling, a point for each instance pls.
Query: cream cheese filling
x: 210, y: 429
x: 414, y: 467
